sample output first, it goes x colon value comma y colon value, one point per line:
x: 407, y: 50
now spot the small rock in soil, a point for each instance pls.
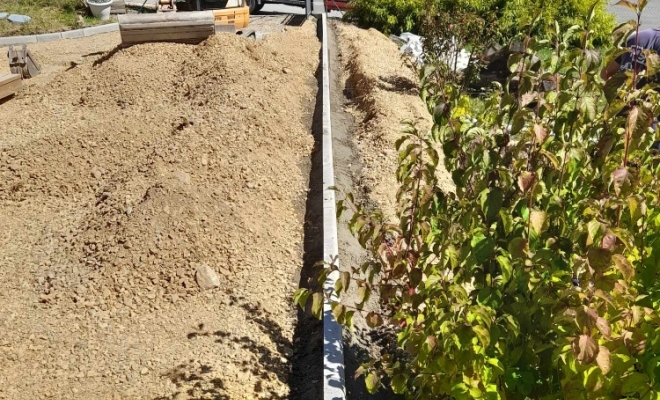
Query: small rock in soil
x: 18, y: 19
x: 206, y: 277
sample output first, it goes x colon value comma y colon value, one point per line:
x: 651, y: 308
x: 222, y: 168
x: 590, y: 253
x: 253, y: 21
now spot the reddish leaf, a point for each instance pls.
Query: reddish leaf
x: 374, y: 320
x: 526, y: 181
x: 604, y: 327
x: 621, y: 179
x: 624, y: 266
x: 628, y: 4
x: 603, y: 360
x: 609, y: 241
x: 604, y: 296
x: 539, y: 221
x: 541, y: 133
x: 585, y: 349
x: 599, y: 259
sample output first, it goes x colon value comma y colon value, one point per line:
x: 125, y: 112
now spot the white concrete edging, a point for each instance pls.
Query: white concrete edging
x: 333, y: 347
x: 48, y: 37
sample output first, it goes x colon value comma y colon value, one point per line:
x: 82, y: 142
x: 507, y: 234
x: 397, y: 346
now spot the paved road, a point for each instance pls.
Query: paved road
x: 650, y: 17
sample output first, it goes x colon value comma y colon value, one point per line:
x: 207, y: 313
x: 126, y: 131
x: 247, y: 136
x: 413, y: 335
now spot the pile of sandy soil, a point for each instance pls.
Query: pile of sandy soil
x: 384, y: 92
x: 120, y: 179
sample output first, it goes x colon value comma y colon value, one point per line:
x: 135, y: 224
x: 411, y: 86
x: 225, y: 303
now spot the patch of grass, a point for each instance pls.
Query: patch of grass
x: 47, y: 16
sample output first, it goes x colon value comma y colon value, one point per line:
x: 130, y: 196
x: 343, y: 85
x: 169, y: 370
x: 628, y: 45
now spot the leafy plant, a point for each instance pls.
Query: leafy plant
x: 537, y: 278
x: 388, y: 16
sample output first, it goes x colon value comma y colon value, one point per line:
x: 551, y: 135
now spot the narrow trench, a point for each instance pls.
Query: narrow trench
x: 363, y: 343
x: 307, y: 362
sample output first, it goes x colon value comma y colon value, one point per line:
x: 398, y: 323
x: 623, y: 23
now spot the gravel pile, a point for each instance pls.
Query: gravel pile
x: 145, y: 197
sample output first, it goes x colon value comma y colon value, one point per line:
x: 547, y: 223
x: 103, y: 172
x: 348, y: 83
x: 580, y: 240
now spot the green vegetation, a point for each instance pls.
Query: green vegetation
x: 47, y: 16
x: 537, y: 277
x: 396, y: 16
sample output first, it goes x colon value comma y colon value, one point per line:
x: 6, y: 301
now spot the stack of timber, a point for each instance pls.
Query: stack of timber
x: 9, y: 84
x: 180, y: 27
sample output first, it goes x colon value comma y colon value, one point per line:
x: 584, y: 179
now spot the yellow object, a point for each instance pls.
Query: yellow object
x: 238, y: 16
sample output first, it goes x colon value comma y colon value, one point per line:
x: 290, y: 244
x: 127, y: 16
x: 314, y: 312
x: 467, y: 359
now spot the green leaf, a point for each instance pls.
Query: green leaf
x: 624, y: 236
x: 373, y: 382
x: 634, y: 383
x: 363, y: 293
x: 345, y: 279
x: 338, y: 311
x: 300, y: 297
x: 551, y: 157
x: 594, y: 231
x: 483, y: 247
x: 624, y: 266
x: 505, y: 268
x: 482, y: 334
x: 588, y: 107
x: 637, y: 208
x: 317, y: 304
x: 491, y: 203
x: 460, y: 391
x: 518, y: 247
x: 539, y: 221
x: 507, y: 221
x: 398, y: 384
x: 498, y: 367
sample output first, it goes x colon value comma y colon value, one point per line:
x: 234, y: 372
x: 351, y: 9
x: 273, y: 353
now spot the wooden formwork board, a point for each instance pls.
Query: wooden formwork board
x: 9, y: 84
x: 185, y: 27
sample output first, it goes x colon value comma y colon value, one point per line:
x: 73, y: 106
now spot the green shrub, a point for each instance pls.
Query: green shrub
x: 537, y: 277
x: 396, y: 16
x: 388, y: 16
x: 514, y: 13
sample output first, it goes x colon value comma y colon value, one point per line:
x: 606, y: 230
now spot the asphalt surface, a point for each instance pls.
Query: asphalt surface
x: 650, y: 16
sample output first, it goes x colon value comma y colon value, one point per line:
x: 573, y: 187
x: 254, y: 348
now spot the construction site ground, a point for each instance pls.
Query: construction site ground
x: 126, y: 174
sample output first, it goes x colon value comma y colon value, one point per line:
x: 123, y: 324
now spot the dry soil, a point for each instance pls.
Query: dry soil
x: 384, y: 92
x: 121, y: 175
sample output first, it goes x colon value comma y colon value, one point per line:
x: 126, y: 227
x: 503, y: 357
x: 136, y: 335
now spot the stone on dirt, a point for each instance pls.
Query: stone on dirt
x: 3, y: 15
x: 18, y: 19
x: 206, y: 277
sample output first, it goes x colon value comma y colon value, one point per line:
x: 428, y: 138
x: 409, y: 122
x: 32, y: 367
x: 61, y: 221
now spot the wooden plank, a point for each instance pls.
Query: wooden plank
x: 193, y: 16
x: 165, y: 25
x: 186, y: 27
x: 184, y: 36
x: 9, y: 84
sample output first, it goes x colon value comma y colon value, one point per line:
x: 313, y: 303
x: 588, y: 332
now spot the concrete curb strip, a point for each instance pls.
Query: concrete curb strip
x: 49, y: 37
x: 333, y: 347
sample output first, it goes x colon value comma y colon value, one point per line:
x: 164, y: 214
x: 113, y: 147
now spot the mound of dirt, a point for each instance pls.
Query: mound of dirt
x: 124, y: 180
x: 384, y: 93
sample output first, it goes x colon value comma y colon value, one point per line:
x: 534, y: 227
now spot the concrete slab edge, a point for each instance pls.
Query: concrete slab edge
x: 334, y: 387
x: 49, y: 37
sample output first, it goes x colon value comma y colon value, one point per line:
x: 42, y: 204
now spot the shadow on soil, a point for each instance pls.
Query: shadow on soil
x: 307, y: 362
x: 398, y: 84
x: 192, y: 379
